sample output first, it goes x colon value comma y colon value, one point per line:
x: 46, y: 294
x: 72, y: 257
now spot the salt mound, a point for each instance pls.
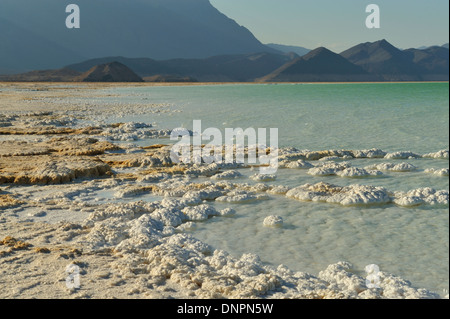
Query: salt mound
x: 299, y: 164
x: 209, y: 193
x: 200, y: 212
x: 439, y: 154
x: 328, y: 168
x: 231, y: 174
x: 420, y: 196
x: 278, y: 189
x: 133, y: 131
x: 358, y: 172
x: 438, y: 172
x: 372, y: 153
x: 401, y: 155
x: 227, y: 212
x: 273, y: 221
x: 202, y: 170
x: 240, y: 196
x: 402, y: 167
x: 348, y: 195
x: 263, y: 177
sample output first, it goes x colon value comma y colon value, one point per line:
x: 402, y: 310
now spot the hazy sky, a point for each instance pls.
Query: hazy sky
x: 340, y: 24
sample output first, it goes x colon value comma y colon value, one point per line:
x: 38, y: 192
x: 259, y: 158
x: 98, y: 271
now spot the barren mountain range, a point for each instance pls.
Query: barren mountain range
x: 182, y: 40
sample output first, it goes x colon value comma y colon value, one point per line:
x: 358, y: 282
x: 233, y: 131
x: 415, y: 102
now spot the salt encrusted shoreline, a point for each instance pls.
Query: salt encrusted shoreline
x: 144, y: 249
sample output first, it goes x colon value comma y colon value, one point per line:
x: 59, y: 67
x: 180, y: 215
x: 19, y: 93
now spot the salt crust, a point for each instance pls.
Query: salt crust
x: 230, y: 174
x: 146, y: 239
x: 400, y: 167
x: 402, y: 155
x: 263, y: 177
x: 366, y: 195
x: 440, y: 154
x: 438, y: 172
x: 341, y: 169
x: 146, y: 236
x: 273, y: 221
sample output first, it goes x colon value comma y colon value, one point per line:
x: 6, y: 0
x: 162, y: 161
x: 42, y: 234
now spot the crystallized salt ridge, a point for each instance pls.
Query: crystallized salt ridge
x: 358, y: 172
x: 289, y: 154
x: 439, y: 154
x: 421, y: 196
x: 367, y: 195
x: 278, y: 190
x: 328, y: 168
x: 402, y: 155
x: 133, y: 131
x: 273, y: 221
x: 438, y: 172
x: 200, y: 212
x: 349, y: 195
x: 298, y: 164
x: 401, y: 167
x: 231, y: 174
x: 263, y: 177
x: 372, y: 153
x: 240, y: 196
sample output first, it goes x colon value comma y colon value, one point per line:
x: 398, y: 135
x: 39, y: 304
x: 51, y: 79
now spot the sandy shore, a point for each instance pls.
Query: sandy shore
x: 52, y: 158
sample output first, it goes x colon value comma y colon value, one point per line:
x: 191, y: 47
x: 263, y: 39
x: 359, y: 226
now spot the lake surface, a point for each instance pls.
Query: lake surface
x: 410, y: 242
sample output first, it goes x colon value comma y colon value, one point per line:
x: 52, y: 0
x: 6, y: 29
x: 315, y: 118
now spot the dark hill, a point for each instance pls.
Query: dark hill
x: 319, y: 65
x: 433, y: 62
x: 58, y: 75
x: 109, y: 72
x: 223, y: 68
x: 383, y: 59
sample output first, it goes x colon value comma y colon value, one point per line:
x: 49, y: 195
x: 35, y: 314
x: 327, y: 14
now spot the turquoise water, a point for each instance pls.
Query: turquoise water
x: 410, y: 242
x: 390, y: 116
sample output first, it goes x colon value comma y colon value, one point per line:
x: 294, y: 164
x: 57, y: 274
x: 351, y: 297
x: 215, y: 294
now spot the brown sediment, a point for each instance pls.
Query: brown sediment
x: 46, y: 170
x: 14, y: 244
x: 152, y: 147
x: 36, y: 131
x: 322, y: 187
x: 9, y: 201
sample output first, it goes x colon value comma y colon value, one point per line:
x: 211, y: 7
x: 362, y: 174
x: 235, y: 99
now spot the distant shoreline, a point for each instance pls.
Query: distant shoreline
x: 112, y: 84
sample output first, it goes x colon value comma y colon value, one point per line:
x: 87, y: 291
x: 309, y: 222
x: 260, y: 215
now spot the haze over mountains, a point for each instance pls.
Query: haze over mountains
x: 158, y: 29
x: 185, y: 40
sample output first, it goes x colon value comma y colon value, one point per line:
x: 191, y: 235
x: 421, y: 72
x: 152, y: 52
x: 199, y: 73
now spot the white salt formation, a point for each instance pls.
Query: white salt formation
x: 420, y: 196
x: 147, y: 244
x: 273, y: 221
x: 401, y: 167
x: 438, y: 172
x: 440, y: 154
x: 231, y: 174
x: 401, y: 155
x: 348, y: 195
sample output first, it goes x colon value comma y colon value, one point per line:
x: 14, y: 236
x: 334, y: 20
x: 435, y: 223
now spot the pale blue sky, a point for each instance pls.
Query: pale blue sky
x: 340, y: 24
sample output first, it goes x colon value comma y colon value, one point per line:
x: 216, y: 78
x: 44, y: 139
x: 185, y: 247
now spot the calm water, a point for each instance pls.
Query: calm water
x: 410, y: 242
x: 410, y: 116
